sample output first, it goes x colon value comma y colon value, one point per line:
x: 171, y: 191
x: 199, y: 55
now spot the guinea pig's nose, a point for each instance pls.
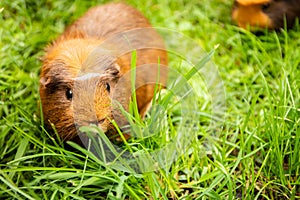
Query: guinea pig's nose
x: 86, y: 123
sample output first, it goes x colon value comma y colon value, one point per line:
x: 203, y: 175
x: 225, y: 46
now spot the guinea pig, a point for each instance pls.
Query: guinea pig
x: 71, y: 96
x: 271, y: 14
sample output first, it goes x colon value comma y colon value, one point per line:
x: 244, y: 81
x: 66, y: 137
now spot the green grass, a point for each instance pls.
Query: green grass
x: 255, y: 154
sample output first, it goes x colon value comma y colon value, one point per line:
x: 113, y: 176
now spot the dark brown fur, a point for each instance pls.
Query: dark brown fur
x: 64, y: 61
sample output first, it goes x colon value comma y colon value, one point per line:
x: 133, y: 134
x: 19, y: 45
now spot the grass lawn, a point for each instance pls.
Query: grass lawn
x: 254, y: 153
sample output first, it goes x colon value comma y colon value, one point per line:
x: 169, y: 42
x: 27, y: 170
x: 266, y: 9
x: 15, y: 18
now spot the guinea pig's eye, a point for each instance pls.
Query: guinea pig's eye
x: 107, y: 86
x: 69, y: 94
x: 265, y: 6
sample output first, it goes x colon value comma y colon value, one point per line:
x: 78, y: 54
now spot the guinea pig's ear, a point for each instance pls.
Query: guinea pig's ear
x: 113, y: 72
x: 44, y: 81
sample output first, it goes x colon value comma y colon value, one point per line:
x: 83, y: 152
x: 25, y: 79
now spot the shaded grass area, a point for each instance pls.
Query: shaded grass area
x: 255, y: 156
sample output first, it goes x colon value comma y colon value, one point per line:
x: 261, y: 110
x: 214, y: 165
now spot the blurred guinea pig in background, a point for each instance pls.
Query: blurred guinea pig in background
x: 271, y: 14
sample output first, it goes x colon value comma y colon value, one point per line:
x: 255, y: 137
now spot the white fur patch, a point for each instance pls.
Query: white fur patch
x: 88, y: 76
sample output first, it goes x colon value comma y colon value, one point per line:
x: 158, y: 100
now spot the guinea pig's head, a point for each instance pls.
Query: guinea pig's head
x: 71, y: 96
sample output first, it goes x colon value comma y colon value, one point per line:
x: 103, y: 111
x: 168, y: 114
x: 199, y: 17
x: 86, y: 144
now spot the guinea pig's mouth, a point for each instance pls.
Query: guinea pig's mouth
x: 101, y: 121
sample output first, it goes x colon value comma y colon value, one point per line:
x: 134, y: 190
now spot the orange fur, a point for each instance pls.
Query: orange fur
x: 72, y: 51
x: 252, y: 2
x: 251, y: 15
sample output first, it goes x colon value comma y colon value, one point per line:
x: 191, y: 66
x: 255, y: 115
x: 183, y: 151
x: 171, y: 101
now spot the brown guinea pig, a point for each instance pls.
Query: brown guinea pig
x: 71, y: 96
x: 269, y: 14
